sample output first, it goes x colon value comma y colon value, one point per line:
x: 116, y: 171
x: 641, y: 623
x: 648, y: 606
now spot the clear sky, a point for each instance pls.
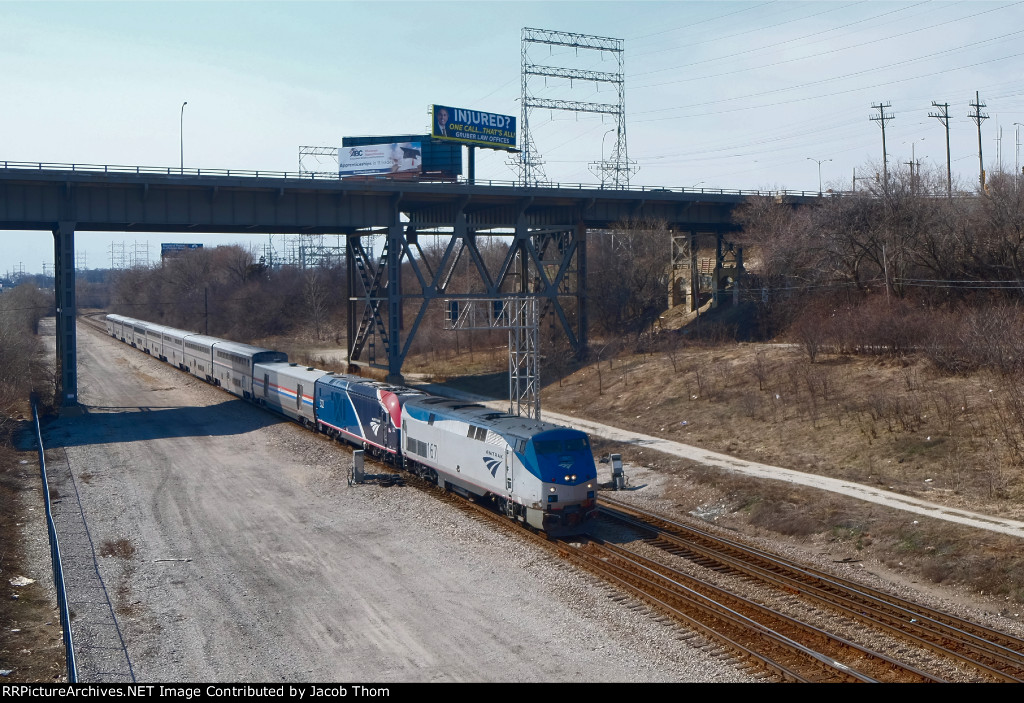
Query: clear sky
x: 736, y: 95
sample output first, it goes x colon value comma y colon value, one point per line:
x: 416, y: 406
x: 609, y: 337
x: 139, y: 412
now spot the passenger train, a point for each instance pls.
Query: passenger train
x: 537, y: 473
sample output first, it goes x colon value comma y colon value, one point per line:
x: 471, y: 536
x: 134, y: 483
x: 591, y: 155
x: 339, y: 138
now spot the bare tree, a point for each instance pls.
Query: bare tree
x: 315, y: 294
x: 628, y: 275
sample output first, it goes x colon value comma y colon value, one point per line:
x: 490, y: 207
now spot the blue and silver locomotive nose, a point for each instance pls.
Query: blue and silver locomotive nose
x: 565, y: 464
x: 562, y: 456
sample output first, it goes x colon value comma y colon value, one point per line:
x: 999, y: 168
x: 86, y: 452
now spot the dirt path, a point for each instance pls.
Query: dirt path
x: 871, y: 494
x: 227, y: 546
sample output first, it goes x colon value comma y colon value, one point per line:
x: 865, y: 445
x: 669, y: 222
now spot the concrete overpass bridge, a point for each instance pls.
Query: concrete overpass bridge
x: 546, y: 226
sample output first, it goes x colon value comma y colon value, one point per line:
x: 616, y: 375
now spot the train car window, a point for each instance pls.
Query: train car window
x: 266, y: 384
x: 298, y: 396
x: 481, y: 434
x: 520, y: 446
x: 472, y: 432
x: 430, y: 420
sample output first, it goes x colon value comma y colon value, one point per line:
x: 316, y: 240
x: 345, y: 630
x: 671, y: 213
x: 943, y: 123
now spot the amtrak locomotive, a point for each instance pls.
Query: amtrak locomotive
x: 537, y: 473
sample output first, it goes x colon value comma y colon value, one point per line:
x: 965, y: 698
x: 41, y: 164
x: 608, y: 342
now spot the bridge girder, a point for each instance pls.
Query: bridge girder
x: 546, y: 228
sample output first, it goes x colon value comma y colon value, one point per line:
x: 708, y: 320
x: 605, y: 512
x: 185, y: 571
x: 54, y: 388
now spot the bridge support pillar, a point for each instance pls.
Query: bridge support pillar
x: 396, y: 242
x: 64, y: 292
x: 738, y: 280
x: 682, y: 286
x: 716, y: 274
x: 581, y: 291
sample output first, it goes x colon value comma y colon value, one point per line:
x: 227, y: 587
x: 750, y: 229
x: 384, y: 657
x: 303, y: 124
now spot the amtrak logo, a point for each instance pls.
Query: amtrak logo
x: 565, y: 463
x: 375, y: 426
x: 492, y: 464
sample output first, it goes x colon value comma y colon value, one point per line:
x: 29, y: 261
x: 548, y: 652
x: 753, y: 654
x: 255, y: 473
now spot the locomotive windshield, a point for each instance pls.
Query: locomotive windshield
x: 548, y: 447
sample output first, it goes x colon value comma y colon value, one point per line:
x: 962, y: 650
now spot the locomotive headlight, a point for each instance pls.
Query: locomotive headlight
x: 590, y: 485
x: 574, y: 477
x: 567, y: 478
x: 551, y: 490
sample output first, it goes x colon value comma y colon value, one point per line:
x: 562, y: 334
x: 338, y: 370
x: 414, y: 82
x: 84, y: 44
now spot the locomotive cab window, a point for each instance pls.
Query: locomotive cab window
x: 550, y: 446
x: 576, y: 445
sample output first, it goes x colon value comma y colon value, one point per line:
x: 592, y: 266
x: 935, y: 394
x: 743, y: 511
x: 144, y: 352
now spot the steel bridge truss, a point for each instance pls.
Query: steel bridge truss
x: 390, y: 292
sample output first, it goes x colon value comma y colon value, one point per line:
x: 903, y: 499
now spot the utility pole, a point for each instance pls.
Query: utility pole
x: 944, y: 119
x: 881, y: 120
x: 999, y: 151
x: 1016, y: 153
x: 978, y: 118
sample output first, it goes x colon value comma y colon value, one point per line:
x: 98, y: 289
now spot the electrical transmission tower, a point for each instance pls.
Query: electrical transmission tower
x: 118, y: 256
x: 881, y: 120
x: 978, y: 116
x: 617, y: 168
x: 943, y: 117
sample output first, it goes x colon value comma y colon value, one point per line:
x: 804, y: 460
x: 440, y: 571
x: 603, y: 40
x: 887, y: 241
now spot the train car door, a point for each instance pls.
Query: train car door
x: 509, y: 459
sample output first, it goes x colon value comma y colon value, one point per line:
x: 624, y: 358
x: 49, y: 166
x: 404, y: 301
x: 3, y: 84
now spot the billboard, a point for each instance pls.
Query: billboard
x: 441, y: 160
x: 473, y: 127
x: 404, y: 158
x: 173, y: 249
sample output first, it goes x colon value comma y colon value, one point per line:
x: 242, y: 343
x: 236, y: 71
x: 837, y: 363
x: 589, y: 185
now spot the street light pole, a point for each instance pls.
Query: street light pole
x: 819, y: 162
x: 181, y: 135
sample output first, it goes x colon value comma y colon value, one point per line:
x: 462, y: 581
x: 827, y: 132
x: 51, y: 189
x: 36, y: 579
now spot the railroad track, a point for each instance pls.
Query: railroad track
x: 754, y: 638
x: 979, y: 653
x: 761, y: 640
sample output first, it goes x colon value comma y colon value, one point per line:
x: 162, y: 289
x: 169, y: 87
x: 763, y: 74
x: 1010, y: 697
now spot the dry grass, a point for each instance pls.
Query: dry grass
x: 897, y: 424
x: 31, y: 645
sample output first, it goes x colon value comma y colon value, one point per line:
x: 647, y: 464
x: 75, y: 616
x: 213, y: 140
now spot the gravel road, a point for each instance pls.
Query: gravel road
x: 210, y: 541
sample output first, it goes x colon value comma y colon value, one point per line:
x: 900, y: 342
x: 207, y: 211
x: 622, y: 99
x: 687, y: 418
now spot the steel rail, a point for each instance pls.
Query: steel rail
x: 727, y: 627
x: 58, y: 569
x: 751, y: 657
x: 1001, y: 656
x: 889, y: 670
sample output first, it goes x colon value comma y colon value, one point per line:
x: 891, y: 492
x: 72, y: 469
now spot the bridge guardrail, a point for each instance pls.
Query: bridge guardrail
x: 330, y: 176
